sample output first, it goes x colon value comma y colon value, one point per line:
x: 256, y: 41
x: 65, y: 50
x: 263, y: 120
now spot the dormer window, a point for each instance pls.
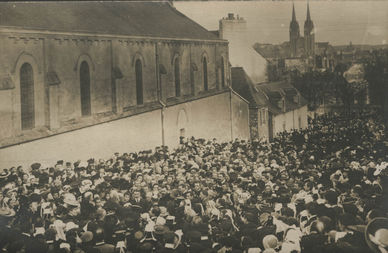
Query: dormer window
x: 280, y: 103
x: 296, y: 99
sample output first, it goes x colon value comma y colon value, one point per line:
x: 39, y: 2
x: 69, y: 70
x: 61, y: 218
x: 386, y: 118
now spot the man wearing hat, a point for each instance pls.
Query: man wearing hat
x: 137, y: 200
x: 100, y: 243
x: 87, y: 244
x: 172, y: 243
x: 72, y: 207
x: 376, y: 235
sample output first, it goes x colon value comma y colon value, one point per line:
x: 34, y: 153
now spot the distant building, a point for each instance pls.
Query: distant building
x: 309, y: 35
x: 351, y: 54
x: 300, y: 49
x: 325, y: 56
x: 347, y: 54
x: 274, y: 107
x: 296, y: 64
x: 302, y: 46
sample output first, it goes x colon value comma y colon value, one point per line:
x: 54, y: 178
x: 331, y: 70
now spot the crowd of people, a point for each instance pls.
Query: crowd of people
x: 321, y: 189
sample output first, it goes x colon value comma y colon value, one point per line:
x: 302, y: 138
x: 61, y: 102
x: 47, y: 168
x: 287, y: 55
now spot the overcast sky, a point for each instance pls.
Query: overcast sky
x: 339, y: 22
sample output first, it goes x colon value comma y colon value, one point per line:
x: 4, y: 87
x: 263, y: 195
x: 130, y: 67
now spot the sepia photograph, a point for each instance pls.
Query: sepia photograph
x: 194, y: 126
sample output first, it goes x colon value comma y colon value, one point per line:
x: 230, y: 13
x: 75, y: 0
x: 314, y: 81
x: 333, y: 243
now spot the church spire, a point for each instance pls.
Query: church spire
x: 308, y: 24
x: 309, y: 36
x: 308, y: 12
x: 293, y: 12
x: 294, y: 33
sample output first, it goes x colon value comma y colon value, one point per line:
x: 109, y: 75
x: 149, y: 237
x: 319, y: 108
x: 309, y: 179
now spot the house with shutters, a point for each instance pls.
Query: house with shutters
x: 274, y: 107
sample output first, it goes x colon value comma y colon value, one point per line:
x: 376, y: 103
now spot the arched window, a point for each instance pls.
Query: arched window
x: 177, y: 78
x: 193, y: 68
x: 222, y: 72
x: 27, y: 96
x: 139, y: 82
x: 205, y: 81
x: 85, y: 89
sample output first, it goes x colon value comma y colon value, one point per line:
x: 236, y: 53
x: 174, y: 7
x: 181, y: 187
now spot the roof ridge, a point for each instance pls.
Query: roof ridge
x: 135, y: 18
x: 192, y: 21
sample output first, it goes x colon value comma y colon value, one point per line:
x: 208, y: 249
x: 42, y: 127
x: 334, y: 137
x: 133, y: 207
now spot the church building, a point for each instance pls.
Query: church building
x: 86, y: 79
x: 302, y: 46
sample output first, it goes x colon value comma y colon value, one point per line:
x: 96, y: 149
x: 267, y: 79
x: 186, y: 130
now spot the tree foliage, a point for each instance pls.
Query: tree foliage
x: 376, y: 73
x: 314, y: 86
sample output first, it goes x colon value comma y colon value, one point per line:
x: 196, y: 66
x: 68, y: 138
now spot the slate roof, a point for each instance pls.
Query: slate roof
x: 150, y: 19
x: 322, y: 44
x: 269, y: 51
x: 278, y: 86
x: 286, y: 89
x: 243, y: 85
x: 265, y: 94
x: 290, y: 91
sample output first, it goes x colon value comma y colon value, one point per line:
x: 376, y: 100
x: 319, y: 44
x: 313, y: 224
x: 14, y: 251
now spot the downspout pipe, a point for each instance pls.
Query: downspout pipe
x: 159, y: 91
x: 162, y: 120
x: 231, y: 114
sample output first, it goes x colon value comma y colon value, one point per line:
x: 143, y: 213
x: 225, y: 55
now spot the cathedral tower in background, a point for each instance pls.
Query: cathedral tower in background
x: 309, y: 35
x: 294, y: 34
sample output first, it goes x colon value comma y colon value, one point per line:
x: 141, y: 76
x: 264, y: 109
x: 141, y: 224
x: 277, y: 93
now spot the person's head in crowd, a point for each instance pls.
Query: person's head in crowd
x: 270, y: 242
x: 98, y: 235
x: 376, y: 234
x: 331, y: 197
x: 266, y: 191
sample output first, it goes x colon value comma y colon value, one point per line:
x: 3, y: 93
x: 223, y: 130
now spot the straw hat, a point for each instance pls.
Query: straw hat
x: 70, y: 200
x: 376, y: 234
x: 7, y: 212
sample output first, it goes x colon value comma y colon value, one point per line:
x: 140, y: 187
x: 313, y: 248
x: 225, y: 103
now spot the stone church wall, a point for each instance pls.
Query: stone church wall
x: 111, y: 63
x: 223, y: 116
x: 98, y: 141
x: 15, y: 51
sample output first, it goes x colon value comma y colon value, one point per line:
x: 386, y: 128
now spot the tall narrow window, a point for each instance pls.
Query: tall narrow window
x: 192, y: 81
x: 222, y: 72
x: 193, y: 68
x: 139, y: 82
x: 177, y: 78
x: 27, y: 96
x: 205, y: 84
x: 85, y: 89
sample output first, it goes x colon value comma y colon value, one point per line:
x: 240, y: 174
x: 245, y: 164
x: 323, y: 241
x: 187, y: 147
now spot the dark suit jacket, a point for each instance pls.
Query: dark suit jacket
x: 105, y: 248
